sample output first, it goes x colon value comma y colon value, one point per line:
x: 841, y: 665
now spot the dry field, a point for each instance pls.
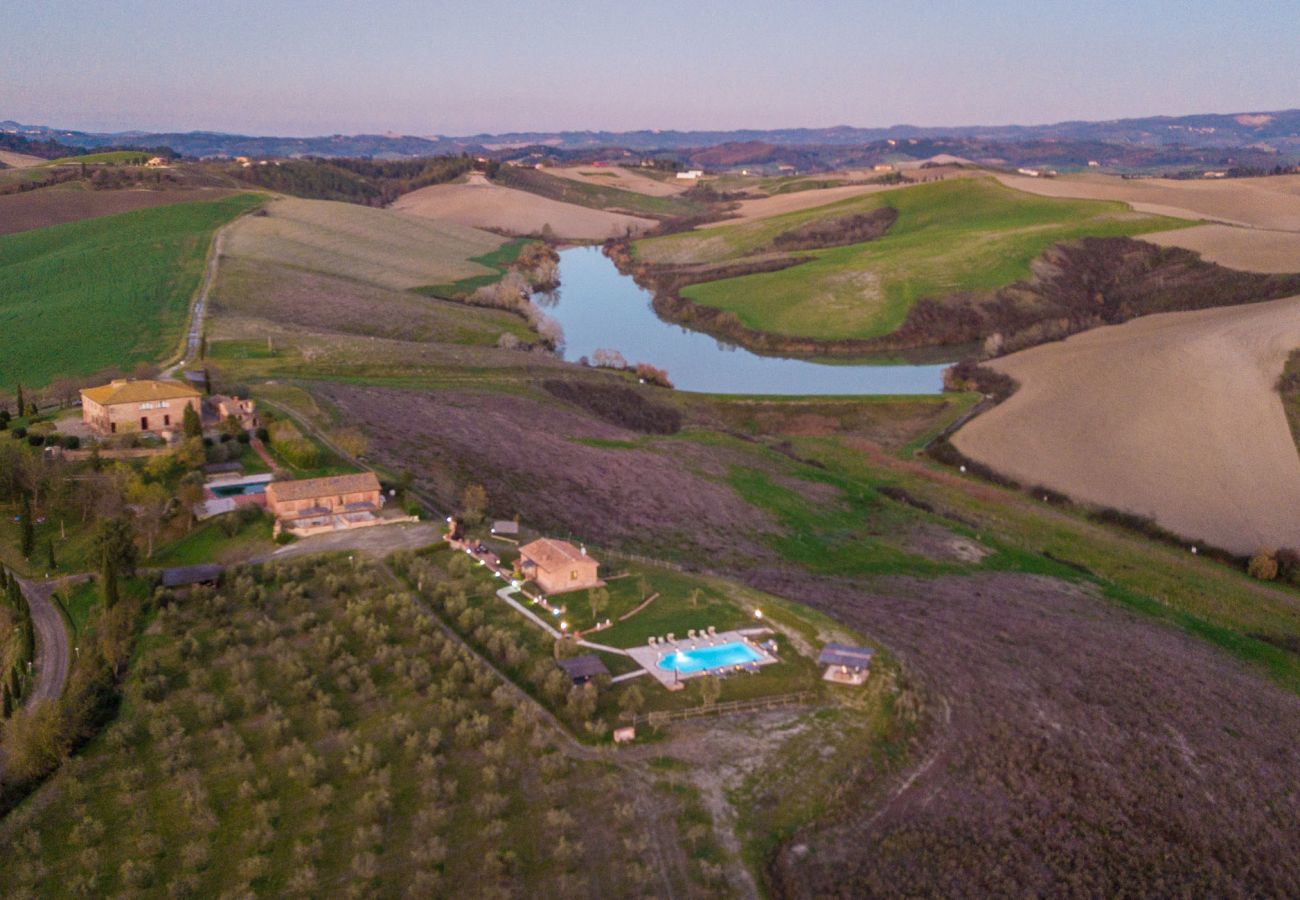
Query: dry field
x: 766, y: 207
x: 479, y: 203
x: 1248, y: 249
x: 1076, y: 750
x: 378, y: 246
x: 55, y: 206
x: 1174, y: 416
x: 625, y: 179
x: 19, y: 160
x: 1272, y: 203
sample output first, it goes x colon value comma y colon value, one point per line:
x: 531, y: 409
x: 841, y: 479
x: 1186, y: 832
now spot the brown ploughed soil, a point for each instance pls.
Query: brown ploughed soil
x: 1248, y: 249
x: 481, y: 204
x: 1272, y: 202
x: 624, y: 179
x: 1173, y: 416
x: 1074, y: 749
x: 42, y: 208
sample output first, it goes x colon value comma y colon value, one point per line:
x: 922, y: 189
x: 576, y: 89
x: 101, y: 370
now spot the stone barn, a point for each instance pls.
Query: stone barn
x: 558, y: 566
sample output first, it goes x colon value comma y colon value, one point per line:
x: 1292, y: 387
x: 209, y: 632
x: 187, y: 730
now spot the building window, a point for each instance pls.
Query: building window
x: 144, y: 423
x: 167, y: 420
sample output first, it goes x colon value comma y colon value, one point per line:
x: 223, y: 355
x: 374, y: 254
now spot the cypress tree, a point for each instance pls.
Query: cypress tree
x: 7, y: 706
x: 49, y: 554
x: 21, y: 405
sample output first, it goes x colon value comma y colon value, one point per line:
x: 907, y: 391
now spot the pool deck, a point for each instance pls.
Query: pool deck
x: 649, y: 656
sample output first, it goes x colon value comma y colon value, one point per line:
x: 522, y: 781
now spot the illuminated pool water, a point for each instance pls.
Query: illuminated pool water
x: 704, y: 659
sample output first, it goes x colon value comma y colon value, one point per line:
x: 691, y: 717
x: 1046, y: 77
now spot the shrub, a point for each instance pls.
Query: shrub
x: 19, y: 433
x: 1263, y: 565
x: 72, y: 442
x: 36, y: 440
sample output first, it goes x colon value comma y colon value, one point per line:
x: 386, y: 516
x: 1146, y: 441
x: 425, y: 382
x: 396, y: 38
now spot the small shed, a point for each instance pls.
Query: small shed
x: 506, y: 527
x: 187, y: 576
x: 846, y: 664
x: 582, y: 669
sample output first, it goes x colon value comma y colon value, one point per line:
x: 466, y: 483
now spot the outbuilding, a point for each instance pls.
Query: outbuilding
x: 582, y: 669
x: 846, y: 664
x: 558, y: 566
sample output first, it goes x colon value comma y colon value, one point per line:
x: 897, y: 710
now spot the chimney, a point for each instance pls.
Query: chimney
x: 584, y: 550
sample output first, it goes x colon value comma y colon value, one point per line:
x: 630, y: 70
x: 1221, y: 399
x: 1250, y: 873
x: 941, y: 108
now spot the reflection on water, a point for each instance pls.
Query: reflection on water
x: 601, y: 309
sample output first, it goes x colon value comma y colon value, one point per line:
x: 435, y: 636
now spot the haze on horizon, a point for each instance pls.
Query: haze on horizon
x: 461, y: 67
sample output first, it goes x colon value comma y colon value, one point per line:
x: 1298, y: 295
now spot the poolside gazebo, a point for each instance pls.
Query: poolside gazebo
x: 846, y: 664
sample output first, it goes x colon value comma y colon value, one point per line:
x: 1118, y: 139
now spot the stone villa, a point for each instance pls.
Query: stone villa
x: 137, y: 406
x: 558, y: 566
x: 315, y: 505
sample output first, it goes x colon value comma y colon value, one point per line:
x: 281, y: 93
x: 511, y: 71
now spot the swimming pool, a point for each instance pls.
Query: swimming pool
x: 704, y: 659
x: 235, y: 490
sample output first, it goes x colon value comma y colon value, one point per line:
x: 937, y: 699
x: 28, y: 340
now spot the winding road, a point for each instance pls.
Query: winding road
x: 53, y: 656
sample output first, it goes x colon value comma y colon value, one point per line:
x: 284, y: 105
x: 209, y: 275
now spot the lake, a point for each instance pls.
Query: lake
x: 601, y: 309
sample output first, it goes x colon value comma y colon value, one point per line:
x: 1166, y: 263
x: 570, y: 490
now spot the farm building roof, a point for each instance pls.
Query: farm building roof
x: 187, y: 575
x: 549, y: 553
x: 138, y: 392
x: 583, y: 667
x: 846, y: 655
x: 330, y: 486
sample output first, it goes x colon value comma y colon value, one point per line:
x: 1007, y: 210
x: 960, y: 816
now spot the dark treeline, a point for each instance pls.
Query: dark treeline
x: 44, y: 149
x: 369, y: 182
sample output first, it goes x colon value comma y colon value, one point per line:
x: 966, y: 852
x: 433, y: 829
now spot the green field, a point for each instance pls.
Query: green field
x: 957, y: 235
x: 110, y: 158
x: 79, y: 298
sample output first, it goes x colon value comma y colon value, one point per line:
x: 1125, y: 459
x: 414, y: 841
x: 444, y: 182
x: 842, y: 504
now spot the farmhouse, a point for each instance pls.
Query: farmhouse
x: 125, y: 406
x: 314, y: 505
x: 691, y: 174
x: 218, y: 408
x: 558, y: 566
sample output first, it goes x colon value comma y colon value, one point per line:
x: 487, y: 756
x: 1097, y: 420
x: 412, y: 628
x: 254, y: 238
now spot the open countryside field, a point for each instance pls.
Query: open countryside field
x: 57, y: 205
x: 1248, y: 249
x: 110, y: 292
x: 479, y: 203
x: 1173, y: 416
x: 19, y: 160
x: 1272, y: 202
x: 391, y: 249
x: 620, y: 177
x: 794, y: 201
x: 957, y: 235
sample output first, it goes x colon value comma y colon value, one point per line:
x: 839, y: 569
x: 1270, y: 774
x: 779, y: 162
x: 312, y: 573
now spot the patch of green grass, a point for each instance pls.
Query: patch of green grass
x: 851, y: 532
x: 110, y: 292
x: 209, y: 542
x: 500, y: 259
x: 110, y: 158
x: 958, y: 235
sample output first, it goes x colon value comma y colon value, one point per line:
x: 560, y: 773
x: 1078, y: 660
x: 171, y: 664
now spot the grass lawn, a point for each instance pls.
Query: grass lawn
x: 209, y: 542
x: 958, y: 235
x: 85, y: 296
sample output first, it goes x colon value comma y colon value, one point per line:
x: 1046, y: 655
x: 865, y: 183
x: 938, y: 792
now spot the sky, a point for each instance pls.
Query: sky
x: 453, y: 67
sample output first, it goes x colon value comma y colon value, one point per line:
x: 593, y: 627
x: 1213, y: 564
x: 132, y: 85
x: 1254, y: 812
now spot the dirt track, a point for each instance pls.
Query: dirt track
x: 1173, y: 416
x: 481, y: 204
x: 1076, y: 750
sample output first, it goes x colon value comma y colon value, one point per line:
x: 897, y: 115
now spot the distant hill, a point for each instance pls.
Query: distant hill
x: 1255, y: 139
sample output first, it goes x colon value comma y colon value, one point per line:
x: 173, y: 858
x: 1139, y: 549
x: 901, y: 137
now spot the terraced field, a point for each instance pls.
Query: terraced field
x: 958, y: 235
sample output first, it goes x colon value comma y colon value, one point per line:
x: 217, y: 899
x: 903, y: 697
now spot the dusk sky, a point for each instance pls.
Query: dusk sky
x: 464, y: 67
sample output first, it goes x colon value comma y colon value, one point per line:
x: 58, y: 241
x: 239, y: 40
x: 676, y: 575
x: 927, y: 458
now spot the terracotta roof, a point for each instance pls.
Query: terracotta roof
x: 549, y: 553
x: 139, y: 392
x: 331, y: 486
